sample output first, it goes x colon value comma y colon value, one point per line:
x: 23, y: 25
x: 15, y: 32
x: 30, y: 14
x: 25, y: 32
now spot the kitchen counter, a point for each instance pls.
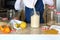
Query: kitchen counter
x: 39, y: 30
x: 30, y: 30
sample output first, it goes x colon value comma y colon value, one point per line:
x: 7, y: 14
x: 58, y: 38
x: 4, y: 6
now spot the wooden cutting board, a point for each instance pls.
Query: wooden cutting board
x: 52, y: 31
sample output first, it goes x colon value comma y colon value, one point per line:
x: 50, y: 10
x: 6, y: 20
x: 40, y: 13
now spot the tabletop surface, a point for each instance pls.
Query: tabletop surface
x: 30, y: 30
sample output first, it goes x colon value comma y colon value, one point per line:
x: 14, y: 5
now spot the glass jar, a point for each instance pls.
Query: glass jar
x: 35, y: 20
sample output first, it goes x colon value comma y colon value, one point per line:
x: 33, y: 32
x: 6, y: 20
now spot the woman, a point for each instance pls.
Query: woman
x: 39, y: 6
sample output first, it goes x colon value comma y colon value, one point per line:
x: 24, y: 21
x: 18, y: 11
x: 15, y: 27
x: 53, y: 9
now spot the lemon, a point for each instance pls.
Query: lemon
x: 23, y: 25
x: 17, y: 25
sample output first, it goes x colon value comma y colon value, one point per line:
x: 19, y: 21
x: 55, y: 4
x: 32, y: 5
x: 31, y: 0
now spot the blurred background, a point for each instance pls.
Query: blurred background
x: 7, y: 5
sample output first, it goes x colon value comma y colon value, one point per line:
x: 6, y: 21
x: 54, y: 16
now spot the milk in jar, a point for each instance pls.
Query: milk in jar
x: 35, y: 20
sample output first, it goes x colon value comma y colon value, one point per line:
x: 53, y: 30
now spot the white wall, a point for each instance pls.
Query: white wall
x: 58, y: 5
x: 29, y: 37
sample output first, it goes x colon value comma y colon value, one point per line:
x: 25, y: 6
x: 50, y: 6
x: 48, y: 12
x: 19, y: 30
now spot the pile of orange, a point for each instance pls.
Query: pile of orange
x: 5, y: 29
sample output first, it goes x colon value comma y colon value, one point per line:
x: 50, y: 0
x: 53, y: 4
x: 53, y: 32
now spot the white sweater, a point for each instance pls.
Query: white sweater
x: 30, y: 3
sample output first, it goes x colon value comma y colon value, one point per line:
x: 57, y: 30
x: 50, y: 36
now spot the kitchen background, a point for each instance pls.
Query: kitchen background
x: 7, y: 5
x: 50, y: 17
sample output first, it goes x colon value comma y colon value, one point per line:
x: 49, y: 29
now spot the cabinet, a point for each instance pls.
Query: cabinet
x: 2, y: 4
x: 3, y: 11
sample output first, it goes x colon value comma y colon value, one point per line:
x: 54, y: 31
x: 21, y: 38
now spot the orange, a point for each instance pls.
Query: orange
x: 6, y: 30
x: 0, y: 27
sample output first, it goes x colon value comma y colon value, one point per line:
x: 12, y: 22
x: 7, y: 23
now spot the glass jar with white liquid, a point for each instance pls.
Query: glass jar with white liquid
x: 35, y: 20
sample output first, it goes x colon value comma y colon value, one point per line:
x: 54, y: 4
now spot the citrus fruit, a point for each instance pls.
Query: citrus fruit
x: 17, y: 25
x: 6, y: 30
x: 23, y: 25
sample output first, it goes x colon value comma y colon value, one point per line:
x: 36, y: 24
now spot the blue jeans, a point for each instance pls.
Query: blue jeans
x: 28, y: 12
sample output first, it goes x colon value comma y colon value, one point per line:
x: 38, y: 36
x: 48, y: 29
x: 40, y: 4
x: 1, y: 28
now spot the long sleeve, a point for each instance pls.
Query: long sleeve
x: 17, y: 5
